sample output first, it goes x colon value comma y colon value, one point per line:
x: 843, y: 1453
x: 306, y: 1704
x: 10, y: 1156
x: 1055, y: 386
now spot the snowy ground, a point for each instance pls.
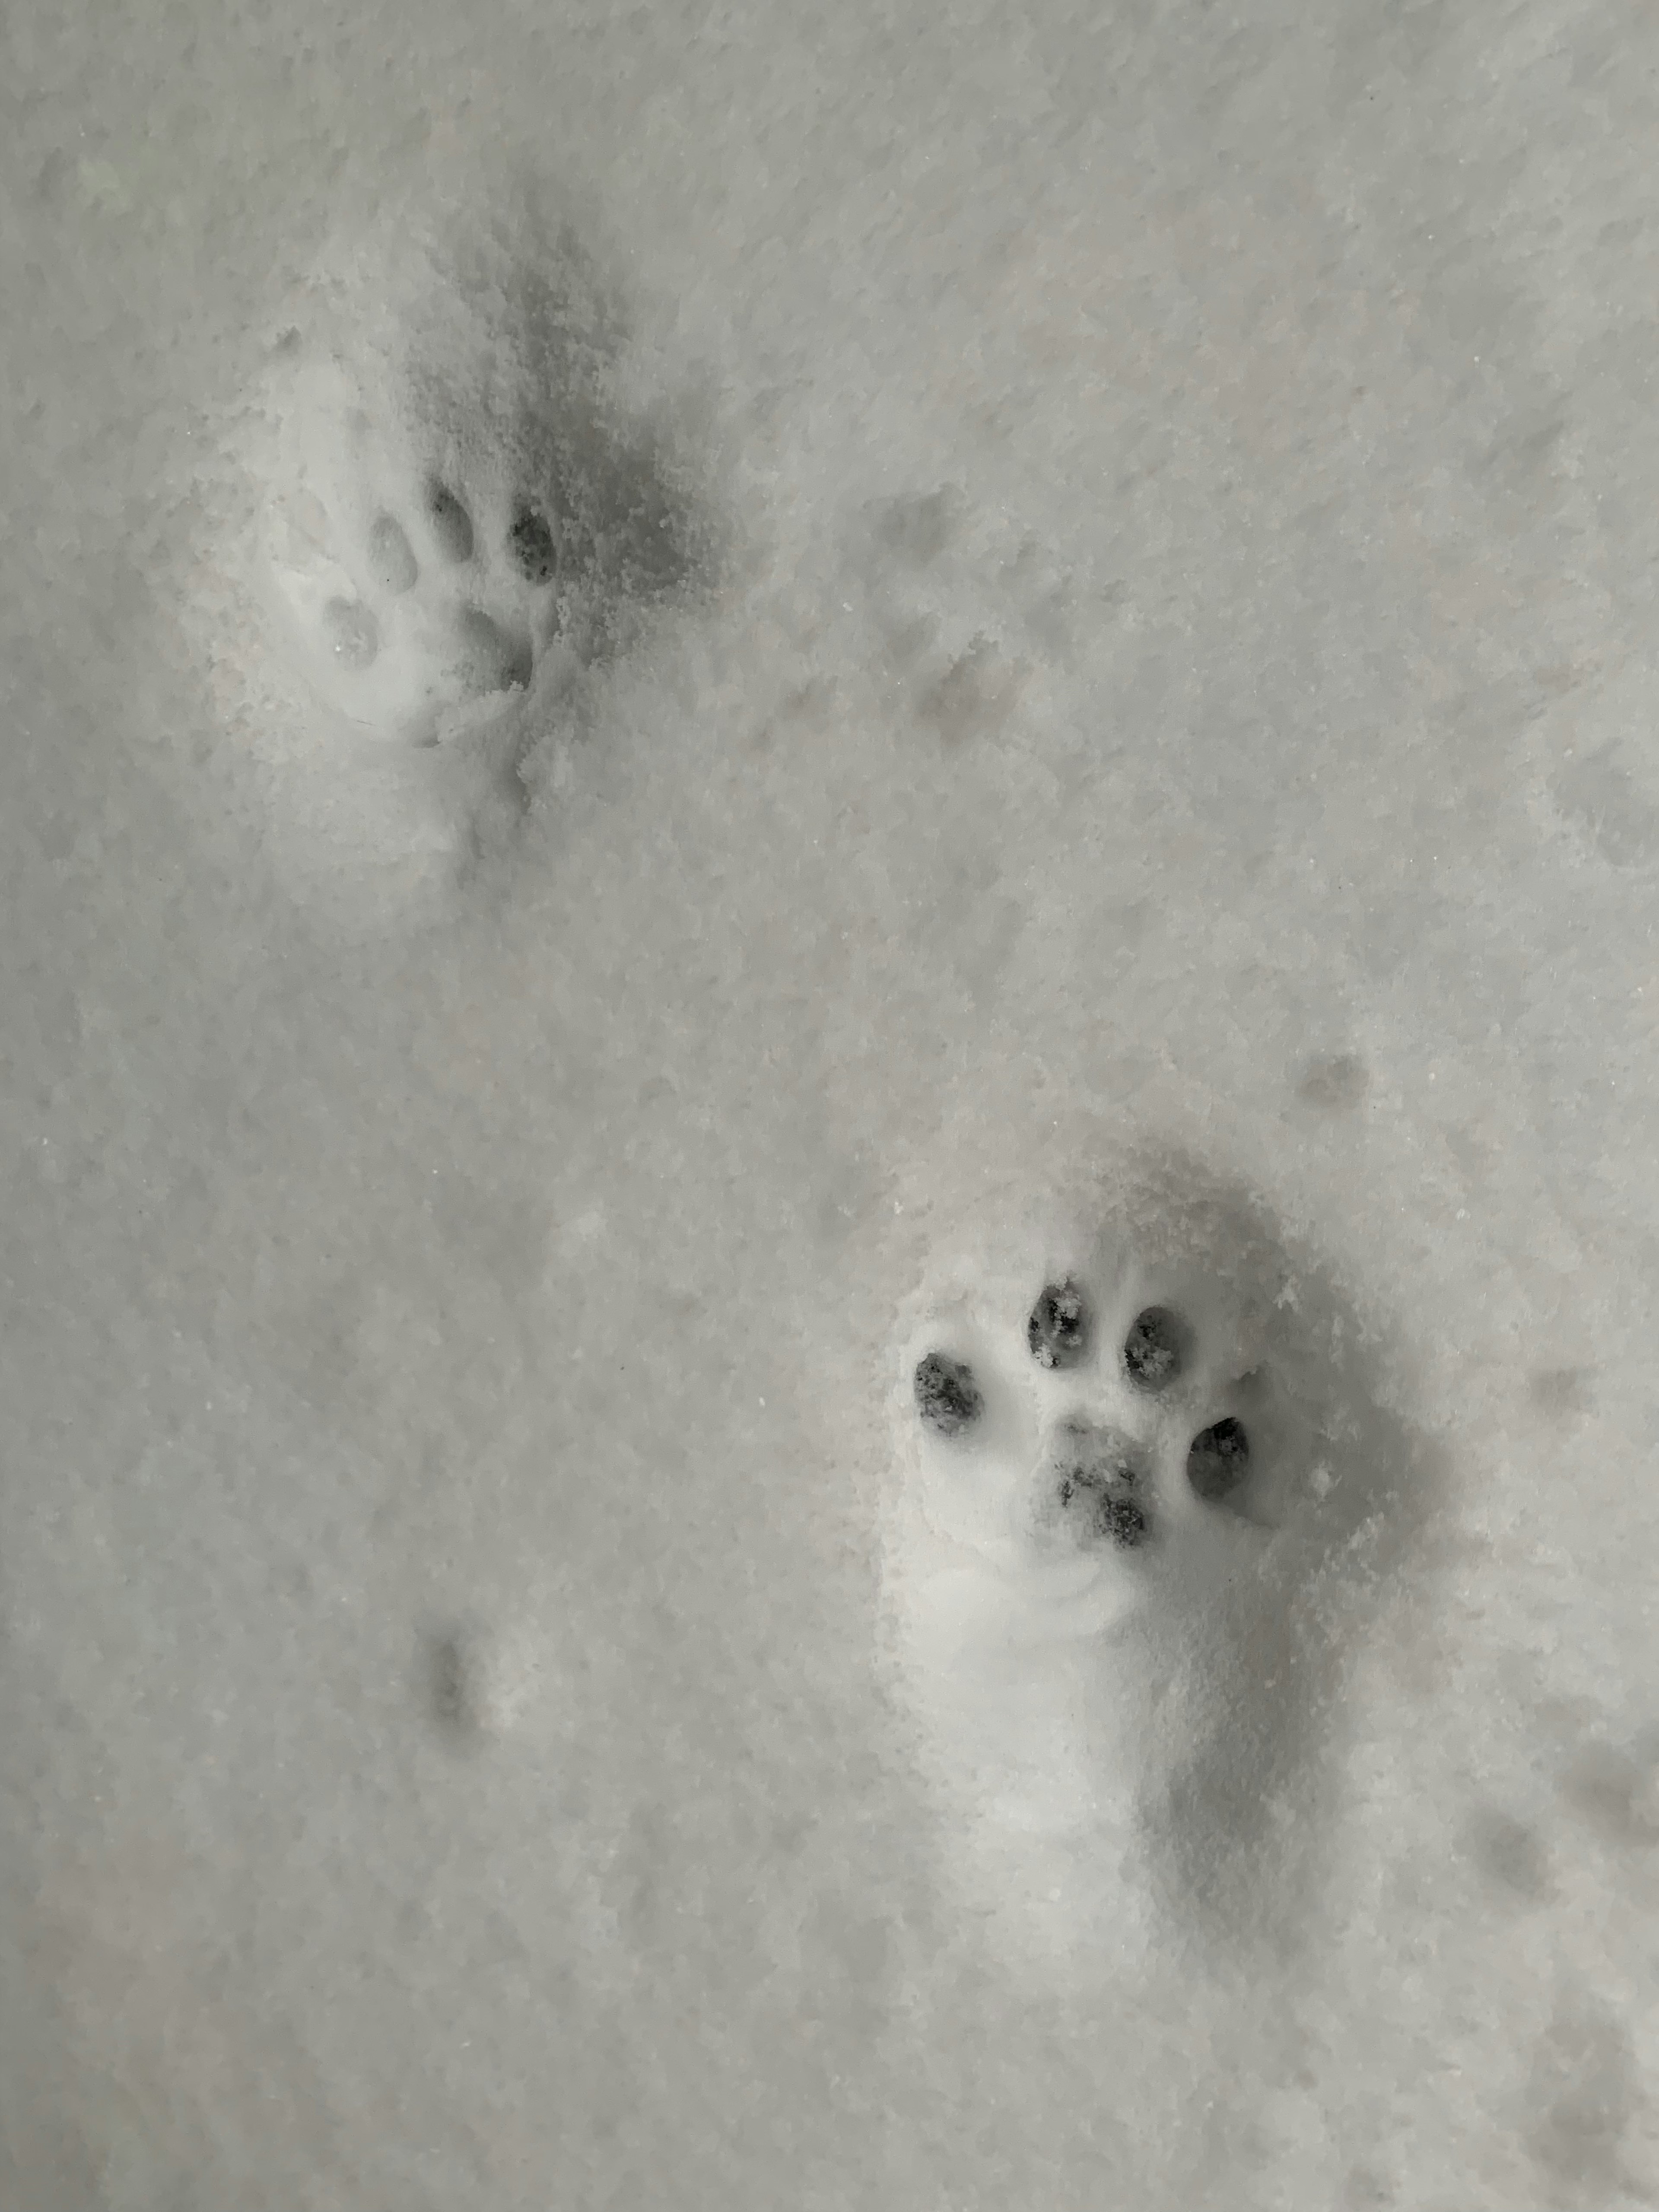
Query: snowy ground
x: 1144, y: 722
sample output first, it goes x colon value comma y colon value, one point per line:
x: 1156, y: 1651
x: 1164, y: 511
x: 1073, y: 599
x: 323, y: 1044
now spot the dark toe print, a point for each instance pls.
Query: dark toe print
x: 948, y: 1398
x: 1219, y: 1460
x: 531, y: 548
x: 1155, y: 1350
x: 451, y: 525
x: 1058, y: 1331
x: 1096, y: 1476
x: 1120, y: 1519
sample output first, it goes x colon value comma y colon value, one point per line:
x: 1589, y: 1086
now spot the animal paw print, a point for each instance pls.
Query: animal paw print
x: 1111, y: 1417
x: 457, y: 495
x: 419, y: 602
x: 454, y: 495
x: 1129, y: 1452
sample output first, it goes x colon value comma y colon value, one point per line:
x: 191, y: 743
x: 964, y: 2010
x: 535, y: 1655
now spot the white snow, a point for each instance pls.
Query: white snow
x: 1158, y: 657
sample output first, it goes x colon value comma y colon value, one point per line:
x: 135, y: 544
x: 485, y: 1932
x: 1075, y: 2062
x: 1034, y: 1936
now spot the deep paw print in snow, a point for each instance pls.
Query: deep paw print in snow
x: 1104, y: 1473
x: 1129, y: 1448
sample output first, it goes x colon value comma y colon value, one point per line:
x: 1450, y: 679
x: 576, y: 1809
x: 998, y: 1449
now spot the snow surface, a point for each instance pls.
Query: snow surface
x: 1156, y: 665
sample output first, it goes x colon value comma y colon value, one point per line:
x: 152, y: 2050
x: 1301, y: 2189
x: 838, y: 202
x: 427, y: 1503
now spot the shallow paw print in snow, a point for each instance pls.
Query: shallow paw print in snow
x: 448, y: 510
x: 453, y: 493
x: 975, y: 626
x: 1133, y: 1443
x: 408, y: 615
